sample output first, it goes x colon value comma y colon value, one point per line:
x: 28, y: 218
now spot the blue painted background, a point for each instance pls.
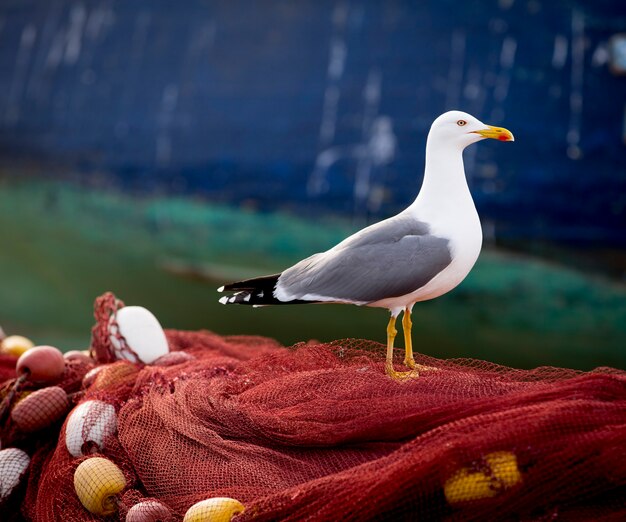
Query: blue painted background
x: 313, y: 105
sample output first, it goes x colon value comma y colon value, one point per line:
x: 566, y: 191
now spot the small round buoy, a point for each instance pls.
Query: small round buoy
x: 173, y: 358
x: 90, y: 376
x: 42, y: 364
x: 149, y: 511
x: 107, y: 375
x: 15, y: 345
x: 13, y: 465
x: 114, y: 374
x: 218, y: 509
x: 142, y: 332
x: 40, y: 409
x: 78, y: 355
x: 89, y: 424
x: 97, y: 481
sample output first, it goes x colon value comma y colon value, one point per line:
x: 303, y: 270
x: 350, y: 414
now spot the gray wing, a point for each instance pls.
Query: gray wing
x: 392, y: 258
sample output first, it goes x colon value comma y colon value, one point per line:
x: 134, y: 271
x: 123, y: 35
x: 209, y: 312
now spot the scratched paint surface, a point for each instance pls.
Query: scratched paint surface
x: 313, y: 106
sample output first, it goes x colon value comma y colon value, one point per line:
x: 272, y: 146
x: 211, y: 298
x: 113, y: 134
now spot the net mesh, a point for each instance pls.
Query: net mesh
x: 318, y: 431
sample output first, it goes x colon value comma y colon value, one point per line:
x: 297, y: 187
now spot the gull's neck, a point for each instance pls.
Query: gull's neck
x: 444, y: 188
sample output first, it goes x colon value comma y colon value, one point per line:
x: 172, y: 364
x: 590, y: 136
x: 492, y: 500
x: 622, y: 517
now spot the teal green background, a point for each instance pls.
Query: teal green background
x: 62, y: 246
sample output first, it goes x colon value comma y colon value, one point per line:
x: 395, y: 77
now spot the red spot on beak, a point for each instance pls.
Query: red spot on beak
x: 503, y: 137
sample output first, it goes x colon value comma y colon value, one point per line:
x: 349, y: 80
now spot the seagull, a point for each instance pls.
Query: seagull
x: 419, y: 254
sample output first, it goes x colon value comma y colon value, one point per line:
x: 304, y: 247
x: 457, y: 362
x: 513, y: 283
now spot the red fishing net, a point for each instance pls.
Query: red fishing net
x: 319, y: 432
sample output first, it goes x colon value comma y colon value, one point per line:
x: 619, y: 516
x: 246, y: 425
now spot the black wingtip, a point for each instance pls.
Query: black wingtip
x: 257, y: 291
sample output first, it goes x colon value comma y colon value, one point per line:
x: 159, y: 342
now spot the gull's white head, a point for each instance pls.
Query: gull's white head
x: 461, y: 129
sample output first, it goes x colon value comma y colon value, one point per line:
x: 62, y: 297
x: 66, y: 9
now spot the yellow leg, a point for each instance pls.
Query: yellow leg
x: 408, y: 342
x: 391, y: 335
x: 409, y: 361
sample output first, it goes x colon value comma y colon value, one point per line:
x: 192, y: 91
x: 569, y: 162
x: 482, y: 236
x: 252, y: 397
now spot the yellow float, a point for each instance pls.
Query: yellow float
x: 217, y: 509
x: 470, y: 484
x: 97, y: 482
x: 15, y: 345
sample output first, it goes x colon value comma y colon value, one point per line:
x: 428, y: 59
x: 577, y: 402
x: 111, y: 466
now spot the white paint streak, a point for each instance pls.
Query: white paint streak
x: 337, y: 62
x: 576, y: 78
x: 22, y: 60
x: 329, y: 114
x: 165, y: 119
x: 559, y: 53
x: 78, y: 17
x: 336, y: 66
x: 338, y: 52
x: 601, y: 55
x: 507, y: 53
x: 507, y: 61
x: 39, y: 82
x: 57, y: 48
x: 203, y: 39
x: 100, y: 19
x: 380, y: 150
x: 373, y: 135
x: 371, y: 97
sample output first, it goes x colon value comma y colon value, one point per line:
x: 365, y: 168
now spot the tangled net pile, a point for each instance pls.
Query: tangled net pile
x: 319, y: 432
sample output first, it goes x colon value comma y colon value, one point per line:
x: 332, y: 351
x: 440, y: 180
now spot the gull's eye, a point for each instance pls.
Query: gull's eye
x: 460, y: 123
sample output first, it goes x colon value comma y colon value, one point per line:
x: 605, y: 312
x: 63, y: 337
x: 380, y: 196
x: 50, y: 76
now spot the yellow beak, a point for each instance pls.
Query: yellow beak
x: 496, y: 133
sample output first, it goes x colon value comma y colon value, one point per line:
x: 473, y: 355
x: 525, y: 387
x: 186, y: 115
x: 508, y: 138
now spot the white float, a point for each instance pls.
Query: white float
x: 13, y: 464
x: 143, y: 334
x: 89, y: 424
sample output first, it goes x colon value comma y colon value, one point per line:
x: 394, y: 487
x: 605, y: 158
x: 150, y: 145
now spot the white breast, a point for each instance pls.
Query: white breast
x: 461, y: 226
x: 465, y: 243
